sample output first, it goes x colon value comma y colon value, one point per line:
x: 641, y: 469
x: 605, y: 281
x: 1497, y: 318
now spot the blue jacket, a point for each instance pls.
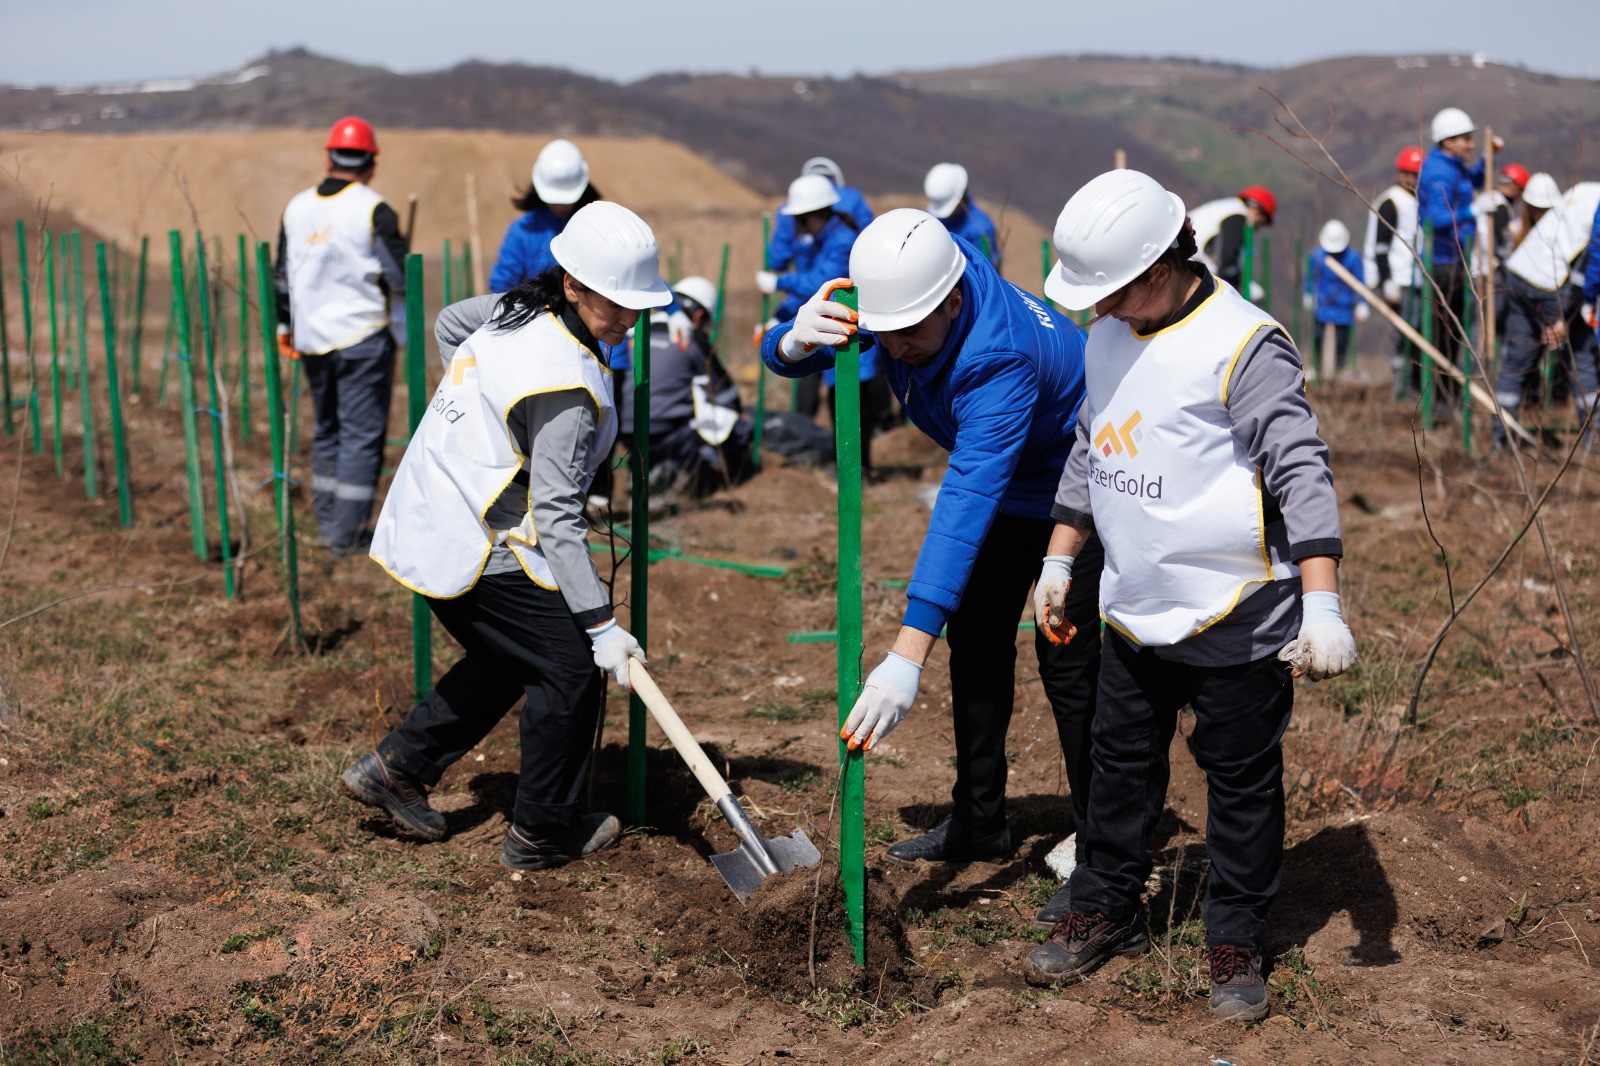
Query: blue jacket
x: 1444, y: 197
x: 973, y: 226
x: 1591, y: 272
x: 781, y: 248
x: 1336, y: 301
x: 525, y: 252
x: 1002, y: 396
x: 816, y: 263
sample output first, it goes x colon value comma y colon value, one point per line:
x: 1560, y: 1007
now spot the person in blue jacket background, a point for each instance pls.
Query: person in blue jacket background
x: 560, y: 186
x: 946, y: 189
x: 1445, y: 191
x: 1327, y: 297
x: 781, y: 248
x: 995, y: 376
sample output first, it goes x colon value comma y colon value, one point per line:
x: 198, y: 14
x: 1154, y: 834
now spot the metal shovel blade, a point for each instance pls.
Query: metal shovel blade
x: 755, y: 859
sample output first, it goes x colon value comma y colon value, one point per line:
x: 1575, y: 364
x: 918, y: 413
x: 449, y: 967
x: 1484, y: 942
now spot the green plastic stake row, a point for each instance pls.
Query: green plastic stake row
x: 191, y: 433
x: 761, y: 364
x: 217, y: 428
x: 852, y: 803
x: 69, y: 328
x: 91, y: 480
x: 27, y: 336
x: 119, y: 439
x: 639, y: 609
x: 416, y: 407
x: 266, y: 294
x: 55, y: 355
x: 5, y: 350
x: 244, y: 343
x: 136, y: 340
x: 1427, y: 326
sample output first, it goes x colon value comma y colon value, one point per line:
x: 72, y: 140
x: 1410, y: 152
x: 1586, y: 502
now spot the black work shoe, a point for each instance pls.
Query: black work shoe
x: 374, y: 782
x: 947, y: 842
x: 1080, y: 943
x: 1057, y: 908
x: 543, y: 846
x: 1237, y: 991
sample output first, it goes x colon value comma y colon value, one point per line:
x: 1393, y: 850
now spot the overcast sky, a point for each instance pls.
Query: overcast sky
x: 76, y: 42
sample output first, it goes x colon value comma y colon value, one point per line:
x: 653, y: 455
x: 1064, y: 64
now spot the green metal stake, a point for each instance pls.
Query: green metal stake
x: 1294, y: 297
x: 5, y: 350
x: 217, y: 453
x: 68, y: 326
x: 244, y: 344
x: 761, y: 364
x: 639, y: 597
x: 1427, y: 325
x: 119, y: 440
x: 983, y: 246
x: 136, y: 341
x: 1247, y: 269
x: 1044, y: 266
x: 266, y: 293
x: 1266, y: 272
x: 449, y: 279
x: 55, y: 355
x: 417, y: 406
x: 852, y: 816
x: 167, y: 349
x: 722, y: 287
x: 91, y: 481
x: 466, y: 270
x: 27, y: 336
x: 1467, y: 359
x: 191, y: 433
x: 296, y: 379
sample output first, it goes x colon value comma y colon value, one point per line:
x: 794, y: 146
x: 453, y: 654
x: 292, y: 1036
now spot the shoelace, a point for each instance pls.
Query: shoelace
x: 1228, y: 962
x: 1074, y: 925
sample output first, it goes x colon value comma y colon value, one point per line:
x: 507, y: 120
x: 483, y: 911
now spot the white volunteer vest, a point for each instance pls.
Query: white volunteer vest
x: 431, y: 535
x: 1544, y: 258
x: 1401, y: 243
x: 1175, y: 500
x: 1207, y: 220
x: 333, y: 269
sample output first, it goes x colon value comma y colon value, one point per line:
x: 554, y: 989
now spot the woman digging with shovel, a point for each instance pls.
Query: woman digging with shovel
x: 485, y: 519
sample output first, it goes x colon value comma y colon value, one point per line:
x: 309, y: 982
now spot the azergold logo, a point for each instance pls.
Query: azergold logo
x: 458, y: 368
x: 321, y: 236
x: 1119, y: 439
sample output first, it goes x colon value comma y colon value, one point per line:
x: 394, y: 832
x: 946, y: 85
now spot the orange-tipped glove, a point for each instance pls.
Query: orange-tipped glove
x: 1590, y: 317
x: 821, y: 322
x: 885, y: 700
x: 761, y: 331
x: 1050, y: 599
x: 285, y: 346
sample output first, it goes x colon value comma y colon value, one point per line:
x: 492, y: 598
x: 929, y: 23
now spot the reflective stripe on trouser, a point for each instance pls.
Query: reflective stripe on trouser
x: 350, y: 391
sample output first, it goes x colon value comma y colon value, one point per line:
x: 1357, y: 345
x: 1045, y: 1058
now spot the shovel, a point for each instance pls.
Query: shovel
x: 755, y: 859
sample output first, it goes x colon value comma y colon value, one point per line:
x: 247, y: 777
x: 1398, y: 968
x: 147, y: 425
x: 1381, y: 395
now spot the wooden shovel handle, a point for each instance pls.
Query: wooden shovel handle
x: 676, y: 731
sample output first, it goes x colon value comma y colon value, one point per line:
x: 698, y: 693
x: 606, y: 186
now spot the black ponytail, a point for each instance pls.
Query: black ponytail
x: 540, y: 294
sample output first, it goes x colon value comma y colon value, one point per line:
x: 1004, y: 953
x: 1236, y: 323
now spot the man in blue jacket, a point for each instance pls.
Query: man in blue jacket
x: 1445, y: 190
x: 995, y: 376
x: 852, y: 204
x: 946, y: 189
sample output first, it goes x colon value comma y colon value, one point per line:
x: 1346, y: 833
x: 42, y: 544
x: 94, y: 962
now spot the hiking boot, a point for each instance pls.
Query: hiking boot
x: 377, y: 784
x: 540, y: 847
x: 947, y: 842
x: 1055, y: 910
x: 1080, y: 943
x: 1237, y: 991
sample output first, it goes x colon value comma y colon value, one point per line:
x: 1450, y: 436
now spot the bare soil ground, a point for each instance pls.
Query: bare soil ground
x: 181, y: 881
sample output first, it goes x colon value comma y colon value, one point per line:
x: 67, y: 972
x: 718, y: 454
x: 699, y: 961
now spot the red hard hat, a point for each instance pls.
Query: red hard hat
x: 352, y: 134
x: 1516, y: 172
x: 1409, y: 160
x: 1262, y: 197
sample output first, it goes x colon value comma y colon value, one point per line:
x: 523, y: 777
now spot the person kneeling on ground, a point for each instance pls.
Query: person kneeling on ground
x: 1210, y: 490
x: 485, y: 519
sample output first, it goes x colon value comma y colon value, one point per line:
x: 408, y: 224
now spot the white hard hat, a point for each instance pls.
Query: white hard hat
x: 560, y: 174
x: 810, y: 192
x: 1542, y: 191
x: 1335, y: 236
x: 945, y: 186
x: 821, y: 164
x: 1451, y: 122
x: 903, y: 264
x: 612, y: 251
x: 698, y: 289
x: 1108, y: 234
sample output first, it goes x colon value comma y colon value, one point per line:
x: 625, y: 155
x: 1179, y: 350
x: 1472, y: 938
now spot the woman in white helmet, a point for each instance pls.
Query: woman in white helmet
x: 1329, y: 299
x: 1202, y: 473
x: 560, y: 187
x: 485, y: 518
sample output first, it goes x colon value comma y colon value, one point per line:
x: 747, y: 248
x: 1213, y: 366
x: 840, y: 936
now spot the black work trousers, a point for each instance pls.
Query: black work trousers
x: 520, y: 639
x: 1452, y: 280
x: 1240, y: 713
x: 350, y: 390
x: 982, y: 634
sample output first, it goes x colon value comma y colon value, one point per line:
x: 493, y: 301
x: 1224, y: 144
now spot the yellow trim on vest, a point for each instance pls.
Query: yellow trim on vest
x: 1186, y: 319
x: 1227, y: 371
x: 435, y: 595
x: 354, y: 338
x: 591, y: 353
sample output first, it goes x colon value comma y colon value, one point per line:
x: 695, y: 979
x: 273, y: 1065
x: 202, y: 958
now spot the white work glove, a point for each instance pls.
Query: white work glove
x: 1050, y: 599
x: 820, y: 322
x: 766, y: 282
x: 761, y: 331
x: 1324, y: 647
x: 613, y: 646
x: 1362, y: 313
x: 890, y: 691
x: 1257, y: 293
x: 1308, y: 301
x: 1587, y: 311
x: 680, y: 329
x: 1392, y: 295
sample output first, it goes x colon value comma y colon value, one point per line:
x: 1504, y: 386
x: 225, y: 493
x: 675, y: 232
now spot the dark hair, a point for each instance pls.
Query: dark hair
x: 1180, y: 256
x: 528, y: 299
x: 530, y: 200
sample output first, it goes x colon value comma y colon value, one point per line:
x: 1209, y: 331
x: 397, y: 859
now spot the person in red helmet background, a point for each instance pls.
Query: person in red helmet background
x: 1219, y: 232
x: 1389, y: 261
x: 341, y: 283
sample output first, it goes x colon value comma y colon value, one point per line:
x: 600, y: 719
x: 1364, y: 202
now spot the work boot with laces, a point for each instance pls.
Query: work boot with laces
x: 1238, y: 992
x: 949, y: 842
x: 377, y: 784
x: 1080, y: 943
x: 1058, y: 906
x: 540, y: 847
